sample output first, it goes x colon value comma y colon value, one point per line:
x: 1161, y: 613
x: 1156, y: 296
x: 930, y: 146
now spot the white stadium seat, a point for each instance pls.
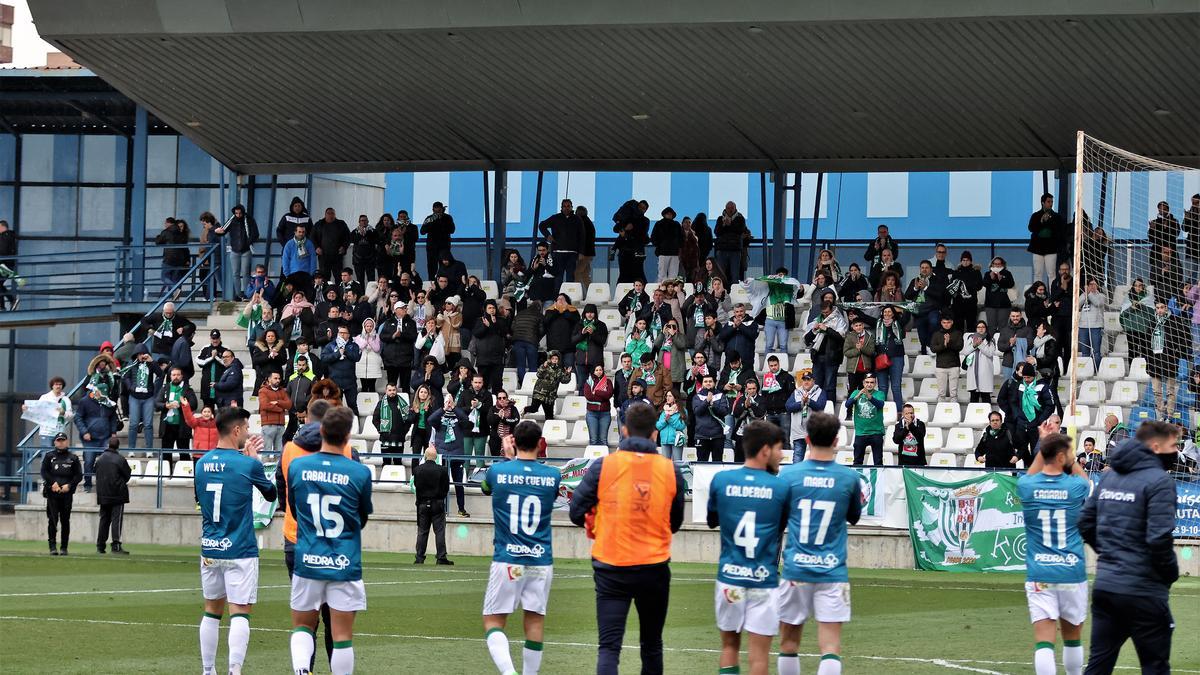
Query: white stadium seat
x: 943, y: 459
x: 1085, y: 367
x: 844, y: 457
x: 610, y: 317
x: 969, y: 461
x: 912, y: 345
x: 579, y: 434
x: 889, y: 458
x: 391, y: 478
x: 802, y: 361
x: 960, y: 439
x: 947, y: 414
x: 616, y: 340
x: 569, y: 388
x: 1104, y: 411
x: 574, y: 290
x: 933, y: 438
x: 689, y: 455
x: 598, y: 294
x: 367, y: 401
x: 254, y: 424
x: 1137, y: 370
x: 1091, y: 392
x: 526, y: 388
x: 929, y: 390
x: 368, y: 431
x: 595, y: 451
x: 1081, y: 418
x: 620, y: 290
x: 977, y: 415
x: 135, y: 468
x: 555, y: 432
x: 574, y: 408
x: 908, y: 389
x: 889, y: 414
x: 1112, y: 369
x: 183, y: 472
x: 1112, y: 322
x: 922, y: 366
x: 361, y: 446
x: 920, y: 409
x: 508, y: 381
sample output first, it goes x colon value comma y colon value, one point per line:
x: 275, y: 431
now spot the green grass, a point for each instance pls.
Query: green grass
x: 66, y: 615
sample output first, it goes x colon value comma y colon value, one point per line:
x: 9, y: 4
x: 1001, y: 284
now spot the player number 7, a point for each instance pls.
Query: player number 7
x: 215, y: 488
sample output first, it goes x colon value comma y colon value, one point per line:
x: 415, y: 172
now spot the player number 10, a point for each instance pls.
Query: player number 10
x: 523, y: 515
x: 1059, y: 518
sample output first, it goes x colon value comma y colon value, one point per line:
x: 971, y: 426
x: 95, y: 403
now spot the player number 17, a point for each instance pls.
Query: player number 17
x: 806, y: 507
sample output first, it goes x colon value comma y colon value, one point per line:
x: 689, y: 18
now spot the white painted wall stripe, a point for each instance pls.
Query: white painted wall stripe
x: 887, y: 195
x: 726, y: 187
x: 655, y: 188
x: 579, y: 187
x: 1156, y: 193
x: 1120, y: 198
x: 430, y: 187
x: 970, y: 194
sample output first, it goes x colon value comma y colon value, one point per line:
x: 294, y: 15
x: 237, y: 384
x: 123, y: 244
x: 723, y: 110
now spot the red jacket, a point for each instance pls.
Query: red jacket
x: 599, y: 397
x: 204, y: 432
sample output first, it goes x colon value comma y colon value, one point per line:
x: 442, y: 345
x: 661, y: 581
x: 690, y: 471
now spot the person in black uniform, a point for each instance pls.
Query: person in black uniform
x: 61, y: 473
x: 112, y: 494
x: 431, y: 483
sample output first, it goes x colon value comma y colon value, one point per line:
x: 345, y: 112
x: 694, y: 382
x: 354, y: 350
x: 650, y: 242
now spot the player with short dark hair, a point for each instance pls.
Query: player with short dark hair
x: 1052, y: 494
x: 750, y: 505
x: 823, y: 497
x: 224, y: 483
x: 523, y: 492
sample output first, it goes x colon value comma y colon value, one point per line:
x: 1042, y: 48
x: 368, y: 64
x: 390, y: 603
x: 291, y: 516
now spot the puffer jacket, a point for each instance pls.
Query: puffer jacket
x: 527, y: 324
x: 560, y: 327
x: 397, y: 350
x: 1129, y: 520
x: 593, y: 351
x: 670, y: 426
x: 709, y: 419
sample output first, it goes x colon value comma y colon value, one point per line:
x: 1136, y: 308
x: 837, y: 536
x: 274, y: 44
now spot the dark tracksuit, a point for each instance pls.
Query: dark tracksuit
x: 431, y: 482
x: 112, y: 494
x: 62, y: 468
x: 1129, y: 521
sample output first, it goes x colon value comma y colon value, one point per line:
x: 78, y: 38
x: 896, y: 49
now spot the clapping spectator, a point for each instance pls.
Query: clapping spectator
x: 672, y: 427
x: 996, y: 282
x: 824, y: 336
x: 805, y: 400
x: 978, y: 359
x: 449, y: 323
x: 259, y: 284
x: 1047, y: 232
x: 560, y: 323
x: 740, y: 334
x: 513, y: 273
x: 633, y: 233
x: 274, y: 404
x: 883, y: 264
x: 1163, y: 231
x: 747, y: 407
x: 362, y: 238
x: 142, y: 380
x: 370, y: 367
x: 829, y: 265
x: 340, y: 357
x: 946, y: 344
x: 964, y: 296
x: 866, y: 408
x: 229, y: 386
x: 332, y: 237
x: 490, y: 333
x: 564, y: 232
x: 269, y: 355
x: 882, y: 242
x: 909, y: 437
x: 940, y: 269
x: 777, y: 387
x: 173, y: 431
x: 437, y: 228
x: 656, y: 379
x: 1012, y: 342
x: 1092, y: 304
x: 672, y: 351
x: 731, y: 234
x: 929, y: 293
x: 889, y: 353
x: 1169, y: 343
x: 403, y: 258
x: 859, y: 353
x: 854, y: 286
x: 889, y: 289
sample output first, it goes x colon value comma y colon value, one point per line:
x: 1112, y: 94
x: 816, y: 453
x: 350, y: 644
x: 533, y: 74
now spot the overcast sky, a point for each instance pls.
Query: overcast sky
x: 29, y: 50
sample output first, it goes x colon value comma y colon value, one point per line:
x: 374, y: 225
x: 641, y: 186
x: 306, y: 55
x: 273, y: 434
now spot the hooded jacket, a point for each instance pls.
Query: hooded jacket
x: 393, y: 438
x: 549, y: 376
x: 527, y: 324
x: 112, y: 478
x: 91, y: 417
x: 560, y: 327
x: 709, y: 419
x: 286, y: 229
x: 448, y: 429
x: 273, y: 405
x: 242, y: 232
x: 488, y: 346
x: 397, y: 350
x: 996, y: 452
x: 1129, y: 521
x: 592, y: 352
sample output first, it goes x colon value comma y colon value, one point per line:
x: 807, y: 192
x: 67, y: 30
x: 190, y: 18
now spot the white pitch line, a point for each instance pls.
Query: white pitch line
x: 955, y: 664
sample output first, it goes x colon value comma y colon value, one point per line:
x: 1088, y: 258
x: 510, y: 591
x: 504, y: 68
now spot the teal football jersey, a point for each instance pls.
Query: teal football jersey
x: 751, y: 506
x: 1053, y: 545
x: 224, y: 483
x: 523, y: 493
x: 330, y: 496
x: 823, y: 498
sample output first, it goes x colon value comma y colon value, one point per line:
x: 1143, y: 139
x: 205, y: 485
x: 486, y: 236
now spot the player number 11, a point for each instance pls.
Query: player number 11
x: 1059, y: 518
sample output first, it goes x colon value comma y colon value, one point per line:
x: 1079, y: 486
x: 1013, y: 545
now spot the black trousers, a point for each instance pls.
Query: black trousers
x: 401, y: 377
x: 1116, y: 617
x: 364, y: 273
x: 492, y: 376
x: 711, y: 449
x: 456, y: 477
x: 545, y: 406
x: 630, y: 268
x: 431, y: 513
x: 112, y: 516
x: 58, y: 510
x: 331, y: 265
x: 289, y: 558
x: 175, y: 436
x: 649, y: 589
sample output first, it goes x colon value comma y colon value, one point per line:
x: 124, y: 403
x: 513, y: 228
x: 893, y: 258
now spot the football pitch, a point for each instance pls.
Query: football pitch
x: 138, y: 614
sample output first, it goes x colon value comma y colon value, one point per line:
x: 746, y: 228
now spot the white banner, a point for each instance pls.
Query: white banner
x: 44, y: 414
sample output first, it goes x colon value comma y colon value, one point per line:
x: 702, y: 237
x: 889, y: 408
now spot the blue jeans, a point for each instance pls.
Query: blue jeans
x: 140, y: 410
x: 799, y: 447
x: 777, y: 334
x: 171, y: 275
x: 564, y: 270
x: 1091, y: 342
x: 927, y: 325
x: 239, y: 265
x: 92, y: 450
x: 731, y: 262
x: 597, y: 424
x: 525, y: 354
x: 893, y: 375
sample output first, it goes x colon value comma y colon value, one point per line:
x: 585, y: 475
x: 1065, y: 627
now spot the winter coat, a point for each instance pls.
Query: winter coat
x: 488, y: 346
x: 900, y: 435
x: 162, y: 336
x: 677, y: 347
x: 177, y: 255
x: 273, y: 406
x: 549, y: 376
x: 504, y: 420
x: 670, y: 427
x: 559, y: 328
x: 565, y: 230
x: 264, y: 363
x: 154, y: 378
x: 1006, y: 331
x: 341, y: 363
x: 397, y: 349
x: 598, y: 394
x: 1047, y: 229
x: 981, y: 374
x: 370, y: 366
x: 796, y: 405
x: 112, y: 478
x: 307, y: 320
x: 711, y: 345
x: 465, y: 398
x: 332, y: 238
x: 710, y: 419
x: 299, y: 389
x: 1129, y: 521
x: 61, y: 468
x: 162, y: 398
x: 629, y: 401
x: 935, y: 295
x: 694, y: 308
x: 656, y: 392
x: 527, y: 324
x: 996, y: 293
x: 852, y: 354
x: 1015, y: 415
x: 229, y: 387
x: 633, y: 302
x: 286, y: 228
x: 996, y: 452
x: 293, y: 262
x: 449, y: 325
x: 775, y: 402
x: 746, y: 411
x: 666, y: 237
x: 91, y: 417
x: 740, y: 339
x: 365, y: 248
x: 204, y: 432
x: 874, y: 248
x: 439, y: 422
x: 730, y: 233
x: 240, y: 233
x: 593, y: 352
x: 395, y: 437
x: 946, y: 353
x: 437, y: 230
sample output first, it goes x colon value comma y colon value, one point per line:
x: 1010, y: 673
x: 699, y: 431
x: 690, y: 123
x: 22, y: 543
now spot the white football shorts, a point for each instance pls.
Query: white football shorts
x: 828, y: 603
x: 510, y: 586
x: 235, y: 579
x: 345, y: 596
x: 751, y: 609
x: 1068, y: 602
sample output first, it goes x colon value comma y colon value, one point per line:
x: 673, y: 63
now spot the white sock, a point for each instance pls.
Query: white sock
x: 1043, y: 659
x: 210, y: 635
x: 1072, y: 657
x: 302, y: 649
x: 342, y: 662
x: 497, y: 645
x: 831, y: 664
x: 789, y: 664
x: 531, y: 658
x: 239, y: 639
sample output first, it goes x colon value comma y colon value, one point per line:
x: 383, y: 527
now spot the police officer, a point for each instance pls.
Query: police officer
x: 61, y: 473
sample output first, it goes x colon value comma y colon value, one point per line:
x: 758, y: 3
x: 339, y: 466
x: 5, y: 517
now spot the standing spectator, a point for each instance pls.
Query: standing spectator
x: 47, y: 432
x: 1166, y: 274
x: 587, y: 251
x: 1038, y: 307
x: 526, y: 334
x: 298, y: 321
x: 672, y: 428
x: 886, y: 263
x: 940, y: 269
x: 449, y: 323
x: 560, y: 323
x: 273, y: 408
x: 332, y: 238
x: 740, y: 334
x: 1062, y: 299
x: 709, y: 343
x: 672, y: 352
x: 777, y: 388
x: 299, y: 261
x: 370, y: 367
x: 229, y: 387
x: 564, y: 232
x: 1026, y: 403
x: 589, y: 338
x: 242, y: 231
x: 778, y: 317
x: 437, y: 228
x: 689, y: 251
x: 362, y: 238
x: 1012, y: 341
x: 1163, y: 231
x: 61, y: 474
x: 297, y: 215
x: 622, y: 378
x: 854, y: 286
x: 96, y: 423
x: 1169, y: 342
x: 824, y: 337
x: 656, y: 378
x: 8, y: 258
x: 709, y: 410
x: 545, y: 390
x: 946, y: 345
x: 1043, y: 353
x: 805, y: 400
x: 1134, y: 541
x: 207, y: 238
x: 996, y: 448
x: 1137, y: 313
x: 996, y: 282
x: 882, y: 242
x: 1191, y: 227
x: 633, y: 233
x: 964, y: 297
x: 633, y: 303
x: 446, y: 426
x: 175, y: 257
x: 402, y: 247
x: 503, y: 420
x: 1193, y: 299
x: 299, y: 390
x: 929, y: 293
x: 142, y: 380
x: 454, y: 271
x: 694, y: 308
x: 269, y: 355
x: 431, y: 484
x: 859, y: 352
x: 164, y: 327
x: 173, y: 431
x: 733, y: 378
x: 477, y: 401
x: 259, y: 285
x: 1095, y: 252
x: 710, y: 274
x: 632, y: 550
x: 112, y: 494
x: 1092, y: 304
x: 203, y: 426
x: 340, y: 357
x: 704, y: 244
x: 828, y: 264
x: 889, y: 354
x: 866, y: 406
x: 666, y: 238
x: 747, y: 407
x: 513, y: 274
x: 730, y: 234
x: 909, y: 437
x: 488, y: 346
x: 978, y: 359
x: 1047, y: 232
x: 598, y: 391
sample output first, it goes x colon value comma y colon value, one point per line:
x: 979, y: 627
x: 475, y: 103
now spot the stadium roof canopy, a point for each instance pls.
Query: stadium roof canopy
x: 283, y: 85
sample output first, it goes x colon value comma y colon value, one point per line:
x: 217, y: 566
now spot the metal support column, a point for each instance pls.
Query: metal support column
x: 812, y: 241
x: 779, y: 218
x: 766, y: 244
x: 487, y: 226
x: 794, y: 242
x: 137, y: 204
x: 500, y: 217
x: 537, y: 218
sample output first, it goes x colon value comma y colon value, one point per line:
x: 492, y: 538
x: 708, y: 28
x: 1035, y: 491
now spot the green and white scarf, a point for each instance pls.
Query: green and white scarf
x: 385, y: 416
x: 174, y: 394
x: 1158, y: 335
x: 142, y: 378
x: 1029, y: 400
x: 448, y: 425
x: 582, y: 344
x: 301, y: 247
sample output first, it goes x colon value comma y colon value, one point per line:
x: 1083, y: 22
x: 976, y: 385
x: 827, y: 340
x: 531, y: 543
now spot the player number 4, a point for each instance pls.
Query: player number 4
x: 1059, y: 519
x: 743, y: 536
x: 524, y: 515
x: 806, y: 507
x: 320, y: 508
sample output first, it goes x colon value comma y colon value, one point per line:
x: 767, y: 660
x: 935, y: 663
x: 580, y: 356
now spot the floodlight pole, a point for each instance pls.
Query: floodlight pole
x: 500, y: 216
x: 812, y: 242
x: 487, y: 226
x: 1077, y: 247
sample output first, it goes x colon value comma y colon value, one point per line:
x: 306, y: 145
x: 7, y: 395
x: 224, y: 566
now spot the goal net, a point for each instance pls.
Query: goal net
x: 1136, y: 266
